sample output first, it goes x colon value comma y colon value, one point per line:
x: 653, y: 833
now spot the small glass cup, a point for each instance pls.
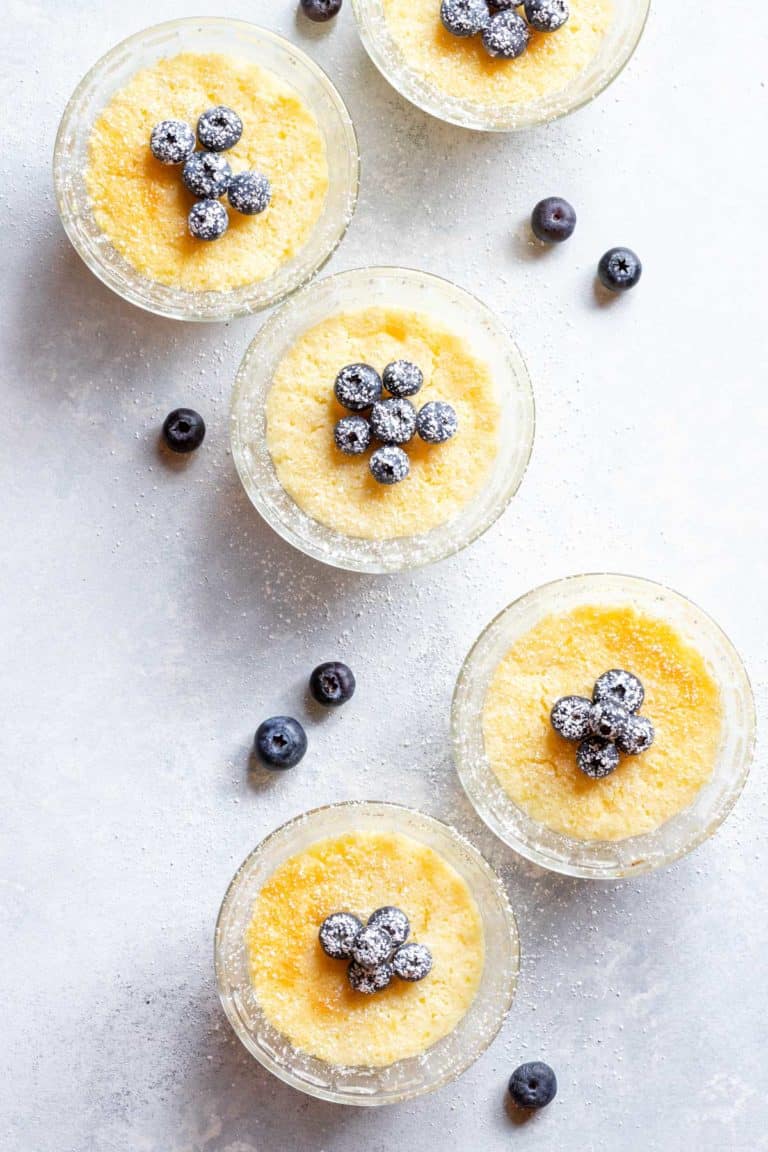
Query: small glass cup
x: 144, y: 49
x: 593, y: 859
x: 394, y: 288
x: 404, y: 1079
x: 618, y: 45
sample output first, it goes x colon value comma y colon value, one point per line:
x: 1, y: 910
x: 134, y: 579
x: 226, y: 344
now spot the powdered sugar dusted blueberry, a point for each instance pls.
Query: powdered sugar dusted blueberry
x: 206, y: 175
x: 392, y: 921
x: 464, y: 17
x: 437, y: 422
x: 608, y: 719
x: 546, y: 15
x: 358, y: 386
x: 338, y: 933
x: 570, y: 717
x: 219, y: 128
x: 369, y: 980
x: 393, y: 421
x: 172, y: 141
x: 249, y: 193
x: 352, y: 435
x: 372, y: 947
x: 636, y: 736
x: 412, y: 962
x: 389, y: 465
x: 506, y: 35
x: 620, y: 686
x: 597, y: 758
x: 208, y: 220
x: 402, y: 378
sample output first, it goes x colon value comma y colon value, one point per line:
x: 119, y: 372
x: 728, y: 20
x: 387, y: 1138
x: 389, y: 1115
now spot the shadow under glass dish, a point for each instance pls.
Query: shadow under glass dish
x: 257, y: 46
x: 593, y: 859
x: 404, y: 1079
x: 401, y: 288
x: 621, y: 40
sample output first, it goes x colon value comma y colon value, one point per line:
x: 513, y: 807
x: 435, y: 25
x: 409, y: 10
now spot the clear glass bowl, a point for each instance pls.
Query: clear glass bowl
x: 112, y: 72
x: 604, y: 860
x: 397, y: 288
x: 446, y: 1059
x: 617, y: 47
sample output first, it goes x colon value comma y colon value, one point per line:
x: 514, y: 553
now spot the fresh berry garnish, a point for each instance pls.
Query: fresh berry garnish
x: 338, y: 934
x: 636, y: 736
x: 393, y: 421
x: 464, y: 17
x: 206, y: 175
x: 619, y: 269
x: 352, y: 435
x: 533, y: 1085
x: 321, y: 10
x: 183, y: 430
x: 546, y: 15
x: 332, y: 684
x: 389, y: 465
x: 372, y: 947
x: 402, y: 378
x: 219, y: 129
x: 280, y: 742
x: 249, y: 193
x: 506, y: 35
x: 369, y: 980
x: 207, y: 220
x: 437, y: 422
x: 553, y: 220
x: 621, y: 687
x: 608, y: 719
x: 357, y: 387
x: 412, y: 962
x: 597, y: 758
x: 392, y: 921
x: 172, y: 141
x: 570, y: 717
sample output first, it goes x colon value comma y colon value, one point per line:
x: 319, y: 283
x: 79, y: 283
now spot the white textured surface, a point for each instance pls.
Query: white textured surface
x: 150, y: 620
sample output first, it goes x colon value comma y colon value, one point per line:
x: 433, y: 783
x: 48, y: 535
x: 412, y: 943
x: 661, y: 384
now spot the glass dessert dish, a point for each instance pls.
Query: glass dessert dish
x: 258, y: 47
x: 387, y: 288
x: 622, y: 36
x: 406, y: 1078
x: 683, y: 831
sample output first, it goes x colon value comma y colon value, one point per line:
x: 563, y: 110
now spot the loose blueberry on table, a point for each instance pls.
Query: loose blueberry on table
x: 619, y: 269
x: 553, y: 220
x: 183, y: 430
x: 321, y: 10
x: 377, y: 951
x: 332, y: 684
x: 605, y: 725
x: 533, y: 1085
x: 504, y: 31
x: 280, y: 742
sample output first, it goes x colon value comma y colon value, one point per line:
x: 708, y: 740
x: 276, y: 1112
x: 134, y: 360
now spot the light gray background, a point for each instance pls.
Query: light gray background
x: 150, y: 619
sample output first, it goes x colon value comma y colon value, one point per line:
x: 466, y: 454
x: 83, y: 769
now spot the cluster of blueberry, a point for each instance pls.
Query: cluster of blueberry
x: 207, y: 174
x: 281, y: 741
x: 605, y: 725
x: 504, y: 31
x: 376, y: 951
x: 393, y: 421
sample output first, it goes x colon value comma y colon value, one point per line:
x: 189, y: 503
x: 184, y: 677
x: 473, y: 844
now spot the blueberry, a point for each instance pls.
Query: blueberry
x: 570, y: 717
x: 502, y: 5
x: 183, y: 430
x: 608, y: 719
x: 546, y: 15
x: 619, y: 269
x: 357, y: 387
x: 332, y: 684
x: 412, y: 962
x: 352, y: 435
x: 369, y: 980
x: 393, y: 421
x: 533, y: 1085
x: 392, y: 921
x: 206, y: 175
x: 597, y: 758
x: 620, y: 686
x: 249, y: 193
x: 636, y: 736
x: 172, y: 141
x: 401, y: 378
x: 437, y: 422
x: 338, y: 933
x: 207, y: 220
x: 506, y: 35
x: 389, y: 465
x: 321, y: 10
x: 553, y: 220
x: 464, y: 17
x: 219, y: 129
x: 372, y: 947
x: 280, y: 742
